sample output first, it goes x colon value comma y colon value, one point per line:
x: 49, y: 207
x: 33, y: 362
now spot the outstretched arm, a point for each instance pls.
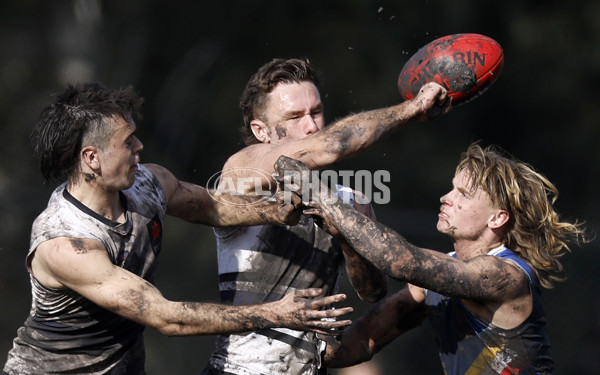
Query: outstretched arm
x: 390, y: 318
x: 348, y: 136
x: 194, y: 203
x: 83, y: 266
x: 430, y: 269
x: 483, y: 278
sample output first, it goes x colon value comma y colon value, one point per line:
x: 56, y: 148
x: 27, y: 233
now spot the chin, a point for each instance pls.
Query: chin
x: 440, y: 228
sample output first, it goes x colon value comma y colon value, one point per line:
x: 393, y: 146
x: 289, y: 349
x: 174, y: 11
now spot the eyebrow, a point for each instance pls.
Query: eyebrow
x: 465, y: 191
x: 319, y: 106
x: 292, y: 114
x: 131, y: 129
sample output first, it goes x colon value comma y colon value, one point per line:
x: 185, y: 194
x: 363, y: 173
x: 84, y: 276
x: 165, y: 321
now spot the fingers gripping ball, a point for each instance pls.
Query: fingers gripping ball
x: 465, y: 64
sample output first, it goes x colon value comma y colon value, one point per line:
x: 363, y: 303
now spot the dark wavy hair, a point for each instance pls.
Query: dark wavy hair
x: 261, y: 84
x: 79, y: 116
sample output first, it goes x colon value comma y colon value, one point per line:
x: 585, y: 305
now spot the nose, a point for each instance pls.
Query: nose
x: 138, y: 146
x: 444, y: 199
x: 310, y: 125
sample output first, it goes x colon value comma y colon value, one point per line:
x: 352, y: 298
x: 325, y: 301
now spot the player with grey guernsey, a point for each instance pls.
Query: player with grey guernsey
x: 93, y: 251
x: 283, y: 115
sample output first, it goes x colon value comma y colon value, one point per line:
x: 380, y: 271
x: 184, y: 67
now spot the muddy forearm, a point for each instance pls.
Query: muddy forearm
x: 401, y: 260
x: 143, y: 303
x: 390, y: 318
x: 246, y: 212
x: 380, y: 245
x: 368, y: 281
x: 357, y: 133
x: 193, y: 318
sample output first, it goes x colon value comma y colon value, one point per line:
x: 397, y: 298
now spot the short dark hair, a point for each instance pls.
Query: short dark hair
x: 81, y: 112
x: 262, y: 83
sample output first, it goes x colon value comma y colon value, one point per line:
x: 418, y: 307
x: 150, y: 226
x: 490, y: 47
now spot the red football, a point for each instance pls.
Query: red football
x: 465, y: 64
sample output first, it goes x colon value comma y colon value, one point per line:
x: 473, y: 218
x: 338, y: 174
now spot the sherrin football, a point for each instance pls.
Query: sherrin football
x: 465, y: 64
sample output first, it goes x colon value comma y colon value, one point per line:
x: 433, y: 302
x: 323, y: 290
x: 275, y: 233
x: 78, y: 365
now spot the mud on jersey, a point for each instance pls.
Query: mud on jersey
x: 67, y: 333
x: 469, y: 345
x: 261, y: 264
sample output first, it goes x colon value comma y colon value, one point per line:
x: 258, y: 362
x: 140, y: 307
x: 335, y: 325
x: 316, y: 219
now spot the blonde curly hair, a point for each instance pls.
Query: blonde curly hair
x: 535, y: 230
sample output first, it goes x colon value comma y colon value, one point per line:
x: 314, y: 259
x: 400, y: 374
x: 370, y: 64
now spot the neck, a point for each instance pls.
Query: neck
x: 467, y: 249
x: 103, y: 202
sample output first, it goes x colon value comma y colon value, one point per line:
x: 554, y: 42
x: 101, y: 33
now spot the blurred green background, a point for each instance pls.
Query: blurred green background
x: 191, y: 60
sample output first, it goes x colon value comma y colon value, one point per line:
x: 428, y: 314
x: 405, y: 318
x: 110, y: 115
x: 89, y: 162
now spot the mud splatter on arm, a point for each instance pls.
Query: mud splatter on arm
x: 196, y: 204
x: 389, y: 319
x: 479, y: 278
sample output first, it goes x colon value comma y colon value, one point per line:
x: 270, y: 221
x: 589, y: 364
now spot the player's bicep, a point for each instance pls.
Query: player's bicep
x: 483, y: 278
x: 83, y: 265
x: 65, y: 262
x: 185, y: 200
x: 75, y: 263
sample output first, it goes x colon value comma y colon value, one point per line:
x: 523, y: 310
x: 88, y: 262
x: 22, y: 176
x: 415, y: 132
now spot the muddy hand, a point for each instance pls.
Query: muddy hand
x: 319, y: 219
x: 302, y: 310
x: 431, y: 101
x: 290, y: 207
x: 293, y: 177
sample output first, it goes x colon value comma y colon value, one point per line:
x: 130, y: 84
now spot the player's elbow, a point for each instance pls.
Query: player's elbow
x: 350, y: 357
x: 167, y: 324
x: 170, y: 329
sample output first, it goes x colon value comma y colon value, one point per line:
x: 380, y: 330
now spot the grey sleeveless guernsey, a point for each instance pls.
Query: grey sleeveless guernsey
x: 66, y: 333
x: 261, y: 264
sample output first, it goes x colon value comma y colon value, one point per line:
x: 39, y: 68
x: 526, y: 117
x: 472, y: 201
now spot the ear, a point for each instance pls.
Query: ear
x: 260, y: 131
x: 498, y: 219
x: 89, y: 155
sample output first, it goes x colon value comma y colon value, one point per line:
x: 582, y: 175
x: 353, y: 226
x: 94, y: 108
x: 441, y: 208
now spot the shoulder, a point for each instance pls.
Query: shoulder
x: 62, y: 218
x: 152, y: 173
x: 155, y: 178
x: 514, y: 259
x: 249, y: 156
x: 502, y: 279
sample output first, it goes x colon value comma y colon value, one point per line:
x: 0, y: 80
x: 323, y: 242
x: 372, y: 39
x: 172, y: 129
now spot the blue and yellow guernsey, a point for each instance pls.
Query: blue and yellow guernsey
x: 469, y: 345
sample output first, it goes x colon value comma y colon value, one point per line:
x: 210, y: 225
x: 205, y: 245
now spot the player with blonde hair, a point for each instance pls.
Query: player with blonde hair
x: 483, y: 299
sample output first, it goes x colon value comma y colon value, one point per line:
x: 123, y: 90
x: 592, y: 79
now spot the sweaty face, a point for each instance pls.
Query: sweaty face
x: 294, y: 111
x: 465, y: 210
x: 119, y: 159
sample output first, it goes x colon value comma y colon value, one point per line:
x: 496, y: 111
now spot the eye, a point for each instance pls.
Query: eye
x: 463, y: 193
x: 129, y: 140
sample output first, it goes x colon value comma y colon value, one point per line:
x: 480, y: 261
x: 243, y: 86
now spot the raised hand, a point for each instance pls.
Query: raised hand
x: 431, y: 101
